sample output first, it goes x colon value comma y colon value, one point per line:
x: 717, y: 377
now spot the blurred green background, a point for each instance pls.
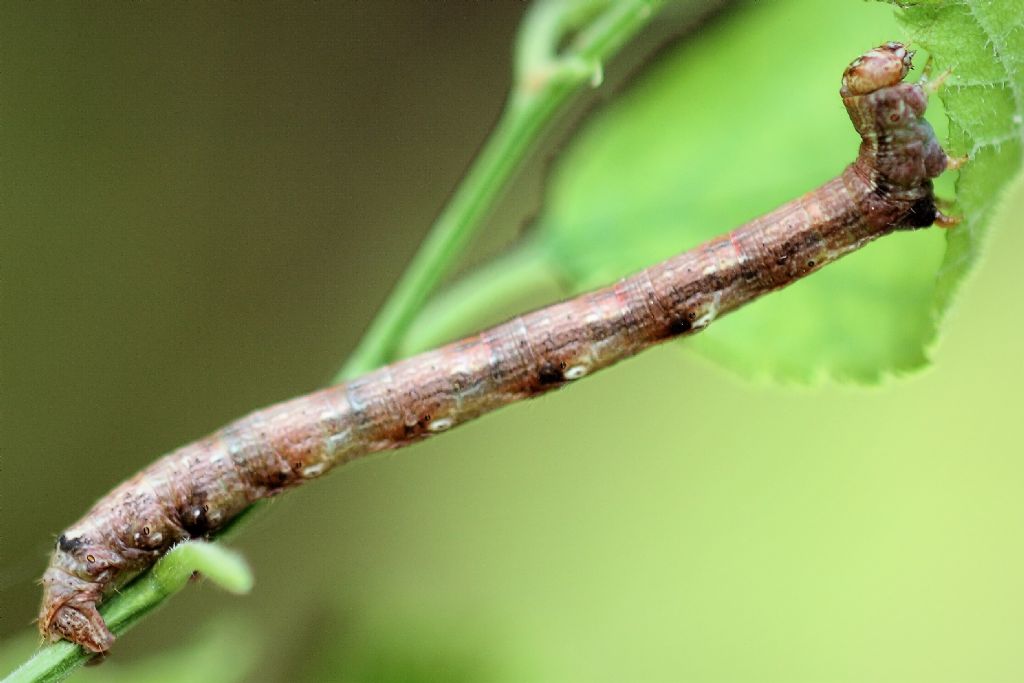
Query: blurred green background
x: 205, y: 206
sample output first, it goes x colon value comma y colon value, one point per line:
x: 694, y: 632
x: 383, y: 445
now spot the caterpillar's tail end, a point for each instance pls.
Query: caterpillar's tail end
x: 81, y: 624
x: 69, y: 612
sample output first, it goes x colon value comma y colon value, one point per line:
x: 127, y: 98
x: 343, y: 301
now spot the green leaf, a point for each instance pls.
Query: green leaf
x: 983, y: 43
x: 748, y: 117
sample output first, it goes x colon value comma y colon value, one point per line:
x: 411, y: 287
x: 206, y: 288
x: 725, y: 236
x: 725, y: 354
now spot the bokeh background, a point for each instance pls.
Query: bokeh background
x: 205, y: 206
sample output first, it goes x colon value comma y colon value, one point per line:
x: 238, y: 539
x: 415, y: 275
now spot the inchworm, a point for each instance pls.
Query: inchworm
x: 198, y: 488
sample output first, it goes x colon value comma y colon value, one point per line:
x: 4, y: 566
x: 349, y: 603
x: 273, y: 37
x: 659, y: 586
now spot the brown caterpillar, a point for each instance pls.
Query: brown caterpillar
x: 198, y: 488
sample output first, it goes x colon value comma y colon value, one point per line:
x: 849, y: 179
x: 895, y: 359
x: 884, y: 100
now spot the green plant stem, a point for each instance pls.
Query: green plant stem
x: 545, y: 79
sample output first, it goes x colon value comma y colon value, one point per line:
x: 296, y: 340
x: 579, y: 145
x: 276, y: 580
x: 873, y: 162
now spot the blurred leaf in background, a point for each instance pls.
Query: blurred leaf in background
x: 223, y: 650
x: 395, y: 648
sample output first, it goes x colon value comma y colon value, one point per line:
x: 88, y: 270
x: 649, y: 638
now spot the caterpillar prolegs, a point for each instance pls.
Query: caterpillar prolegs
x: 197, y: 489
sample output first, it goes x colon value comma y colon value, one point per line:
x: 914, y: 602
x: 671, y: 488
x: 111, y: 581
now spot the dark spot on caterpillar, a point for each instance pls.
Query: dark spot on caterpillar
x: 781, y: 260
x: 680, y: 325
x: 413, y: 426
x: 921, y: 214
x: 193, y: 516
x: 274, y: 479
x: 90, y: 558
x: 811, y: 263
x: 692, y: 315
x: 749, y: 275
x: 811, y: 240
x: 69, y: 545
x: 550, y: 374
x: 195, y: 522
x: 145, y: 531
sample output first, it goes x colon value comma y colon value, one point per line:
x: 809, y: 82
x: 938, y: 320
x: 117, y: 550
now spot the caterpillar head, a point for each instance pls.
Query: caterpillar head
x: 899, y: 150
x: 881, y: 67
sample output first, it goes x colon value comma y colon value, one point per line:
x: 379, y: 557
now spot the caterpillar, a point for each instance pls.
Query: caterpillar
x: 196, y: 490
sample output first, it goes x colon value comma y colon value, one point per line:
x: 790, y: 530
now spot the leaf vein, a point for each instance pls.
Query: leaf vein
x: 1000, y: 50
